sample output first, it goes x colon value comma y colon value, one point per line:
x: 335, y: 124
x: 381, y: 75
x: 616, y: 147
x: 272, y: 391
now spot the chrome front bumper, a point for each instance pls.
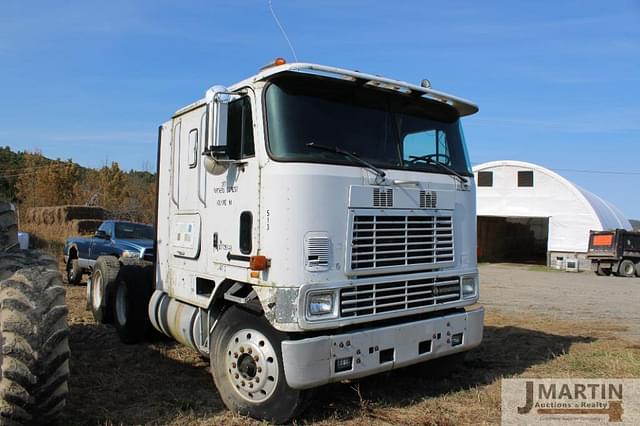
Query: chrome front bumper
x: 312, y: 362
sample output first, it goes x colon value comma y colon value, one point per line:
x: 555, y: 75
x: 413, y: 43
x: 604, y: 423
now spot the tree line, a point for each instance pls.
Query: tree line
x: 33, y: 180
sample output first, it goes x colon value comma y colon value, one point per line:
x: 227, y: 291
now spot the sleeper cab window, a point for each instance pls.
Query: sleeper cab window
x: 485, y: 178
x: 525, y: 178
x: 192, y: 153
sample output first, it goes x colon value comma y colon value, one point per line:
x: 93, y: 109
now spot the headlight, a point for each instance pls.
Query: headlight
x: 131, y: 254
x: 320, y: 304
x: 469, y: 287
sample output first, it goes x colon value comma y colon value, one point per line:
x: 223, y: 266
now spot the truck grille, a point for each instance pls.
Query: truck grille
x: 372, y: 299
x: 380, y: 241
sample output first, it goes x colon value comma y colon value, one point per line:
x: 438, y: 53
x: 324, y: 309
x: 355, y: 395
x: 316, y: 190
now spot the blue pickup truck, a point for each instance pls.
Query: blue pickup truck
x: 113, y: 238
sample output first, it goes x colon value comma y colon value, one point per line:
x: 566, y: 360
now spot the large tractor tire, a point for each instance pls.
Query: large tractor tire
x: 8, y: 228
x: 101, y: 286
x: 247, y: 368
x: 130, y: 301
x: 34, y: 355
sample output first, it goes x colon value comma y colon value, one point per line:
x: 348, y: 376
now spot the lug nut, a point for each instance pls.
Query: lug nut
x: 434, y: 335
x: 257, y: 379
x: 448, y: 333
x: 235, y: 354
x: 259, y: 369
x: 341, y: 345
x: 251, y: 385
x: 358, y: 352
x: 249, y: 350
x: 236, y: 376
x: 348, y: 342
x: 255, y: 358
x: 358, y: 361
x: 233, y: 364
x: 242, y: 349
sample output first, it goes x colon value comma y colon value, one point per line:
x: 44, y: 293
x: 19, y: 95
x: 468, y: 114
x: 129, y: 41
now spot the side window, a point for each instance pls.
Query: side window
x: 485, y: 178
x: 107, y: 228
x: 240, y: 129
x: 525, y: 178
x: 429, y: 143
x: 192, y: 154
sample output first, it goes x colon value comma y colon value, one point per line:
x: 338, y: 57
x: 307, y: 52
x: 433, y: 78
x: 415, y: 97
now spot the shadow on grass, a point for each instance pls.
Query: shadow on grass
x: 505, y: 351
x: 113, y: 383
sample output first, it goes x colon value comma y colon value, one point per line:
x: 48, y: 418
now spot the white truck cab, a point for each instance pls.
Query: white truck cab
x: 315, y: 224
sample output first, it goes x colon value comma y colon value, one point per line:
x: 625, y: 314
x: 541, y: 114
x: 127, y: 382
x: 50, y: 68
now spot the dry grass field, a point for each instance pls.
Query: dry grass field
x: 165, y: 383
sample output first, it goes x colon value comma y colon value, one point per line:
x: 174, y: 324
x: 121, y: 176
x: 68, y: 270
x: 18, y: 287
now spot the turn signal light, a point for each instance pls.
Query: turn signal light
x: 275, y: 63
x: 259, y: 263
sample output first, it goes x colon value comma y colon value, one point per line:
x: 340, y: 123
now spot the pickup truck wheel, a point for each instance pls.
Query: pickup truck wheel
x: 130, y: 301
x: 246, y: 363
x: 626, y: 268
x: 103, y: 278
x: 74, y: 272
x: 34, y: 347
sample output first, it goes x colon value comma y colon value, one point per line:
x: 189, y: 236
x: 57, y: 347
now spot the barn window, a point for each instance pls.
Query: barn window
x: 525, y: 178
x: 485, y: 178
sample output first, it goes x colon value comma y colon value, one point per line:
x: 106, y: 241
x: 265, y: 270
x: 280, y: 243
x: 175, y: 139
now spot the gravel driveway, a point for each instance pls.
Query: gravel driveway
x: 571, y: 296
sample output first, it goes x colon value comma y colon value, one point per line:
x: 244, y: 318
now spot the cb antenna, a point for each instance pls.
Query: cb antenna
x: 282, y: 30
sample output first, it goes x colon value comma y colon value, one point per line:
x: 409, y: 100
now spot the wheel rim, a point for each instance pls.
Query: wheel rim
x: 628, y: 269
x: 121, y: 304
x: 96, y: 292
x: 252, y: 365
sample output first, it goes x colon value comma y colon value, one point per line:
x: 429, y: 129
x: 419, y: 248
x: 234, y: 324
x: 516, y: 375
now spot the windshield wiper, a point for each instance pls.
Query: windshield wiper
x: 352, y: 155
x: 429, y: 160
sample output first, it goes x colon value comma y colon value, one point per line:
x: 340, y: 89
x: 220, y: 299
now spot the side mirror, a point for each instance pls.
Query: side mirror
x: 216, y: 159
x: 101, y: 234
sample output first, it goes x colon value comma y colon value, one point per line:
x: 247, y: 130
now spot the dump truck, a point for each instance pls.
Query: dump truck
x: 314, y: 225
x: 615, y: 252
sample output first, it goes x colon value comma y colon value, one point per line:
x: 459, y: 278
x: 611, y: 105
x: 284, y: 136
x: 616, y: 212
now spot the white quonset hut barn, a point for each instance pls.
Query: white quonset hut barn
x: 527, y: 213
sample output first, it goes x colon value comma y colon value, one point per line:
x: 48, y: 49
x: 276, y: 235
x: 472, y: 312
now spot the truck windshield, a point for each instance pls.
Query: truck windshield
x: 134, y: 231
x: 384, y: 128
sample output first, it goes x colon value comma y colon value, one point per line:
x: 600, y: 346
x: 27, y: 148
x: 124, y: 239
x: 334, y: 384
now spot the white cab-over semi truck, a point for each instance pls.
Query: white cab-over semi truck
x: 315, y: 225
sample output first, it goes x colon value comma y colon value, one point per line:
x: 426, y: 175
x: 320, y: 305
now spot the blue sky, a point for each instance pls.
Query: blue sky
x: 558, y: 83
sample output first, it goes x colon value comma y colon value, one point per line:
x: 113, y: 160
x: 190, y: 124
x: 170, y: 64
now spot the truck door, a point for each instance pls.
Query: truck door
x: 101, y: 246
x: 235, y: 194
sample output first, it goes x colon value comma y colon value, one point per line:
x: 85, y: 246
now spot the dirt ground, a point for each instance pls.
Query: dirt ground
x: 531, y: 331
x: 563, y: 295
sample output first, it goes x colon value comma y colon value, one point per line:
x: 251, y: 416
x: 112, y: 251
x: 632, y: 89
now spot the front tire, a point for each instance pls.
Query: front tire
x: 247, y: 368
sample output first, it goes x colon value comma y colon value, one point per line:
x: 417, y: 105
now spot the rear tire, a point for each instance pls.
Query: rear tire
x: 130, y: 303
x: 638, y: 269
x: 250, y: 386
x: 34, y: 343
x: 8, y: 228
x: 603, y: 271
x: 103, y: 279
x: 626, y: 268
x: 74, y: 272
